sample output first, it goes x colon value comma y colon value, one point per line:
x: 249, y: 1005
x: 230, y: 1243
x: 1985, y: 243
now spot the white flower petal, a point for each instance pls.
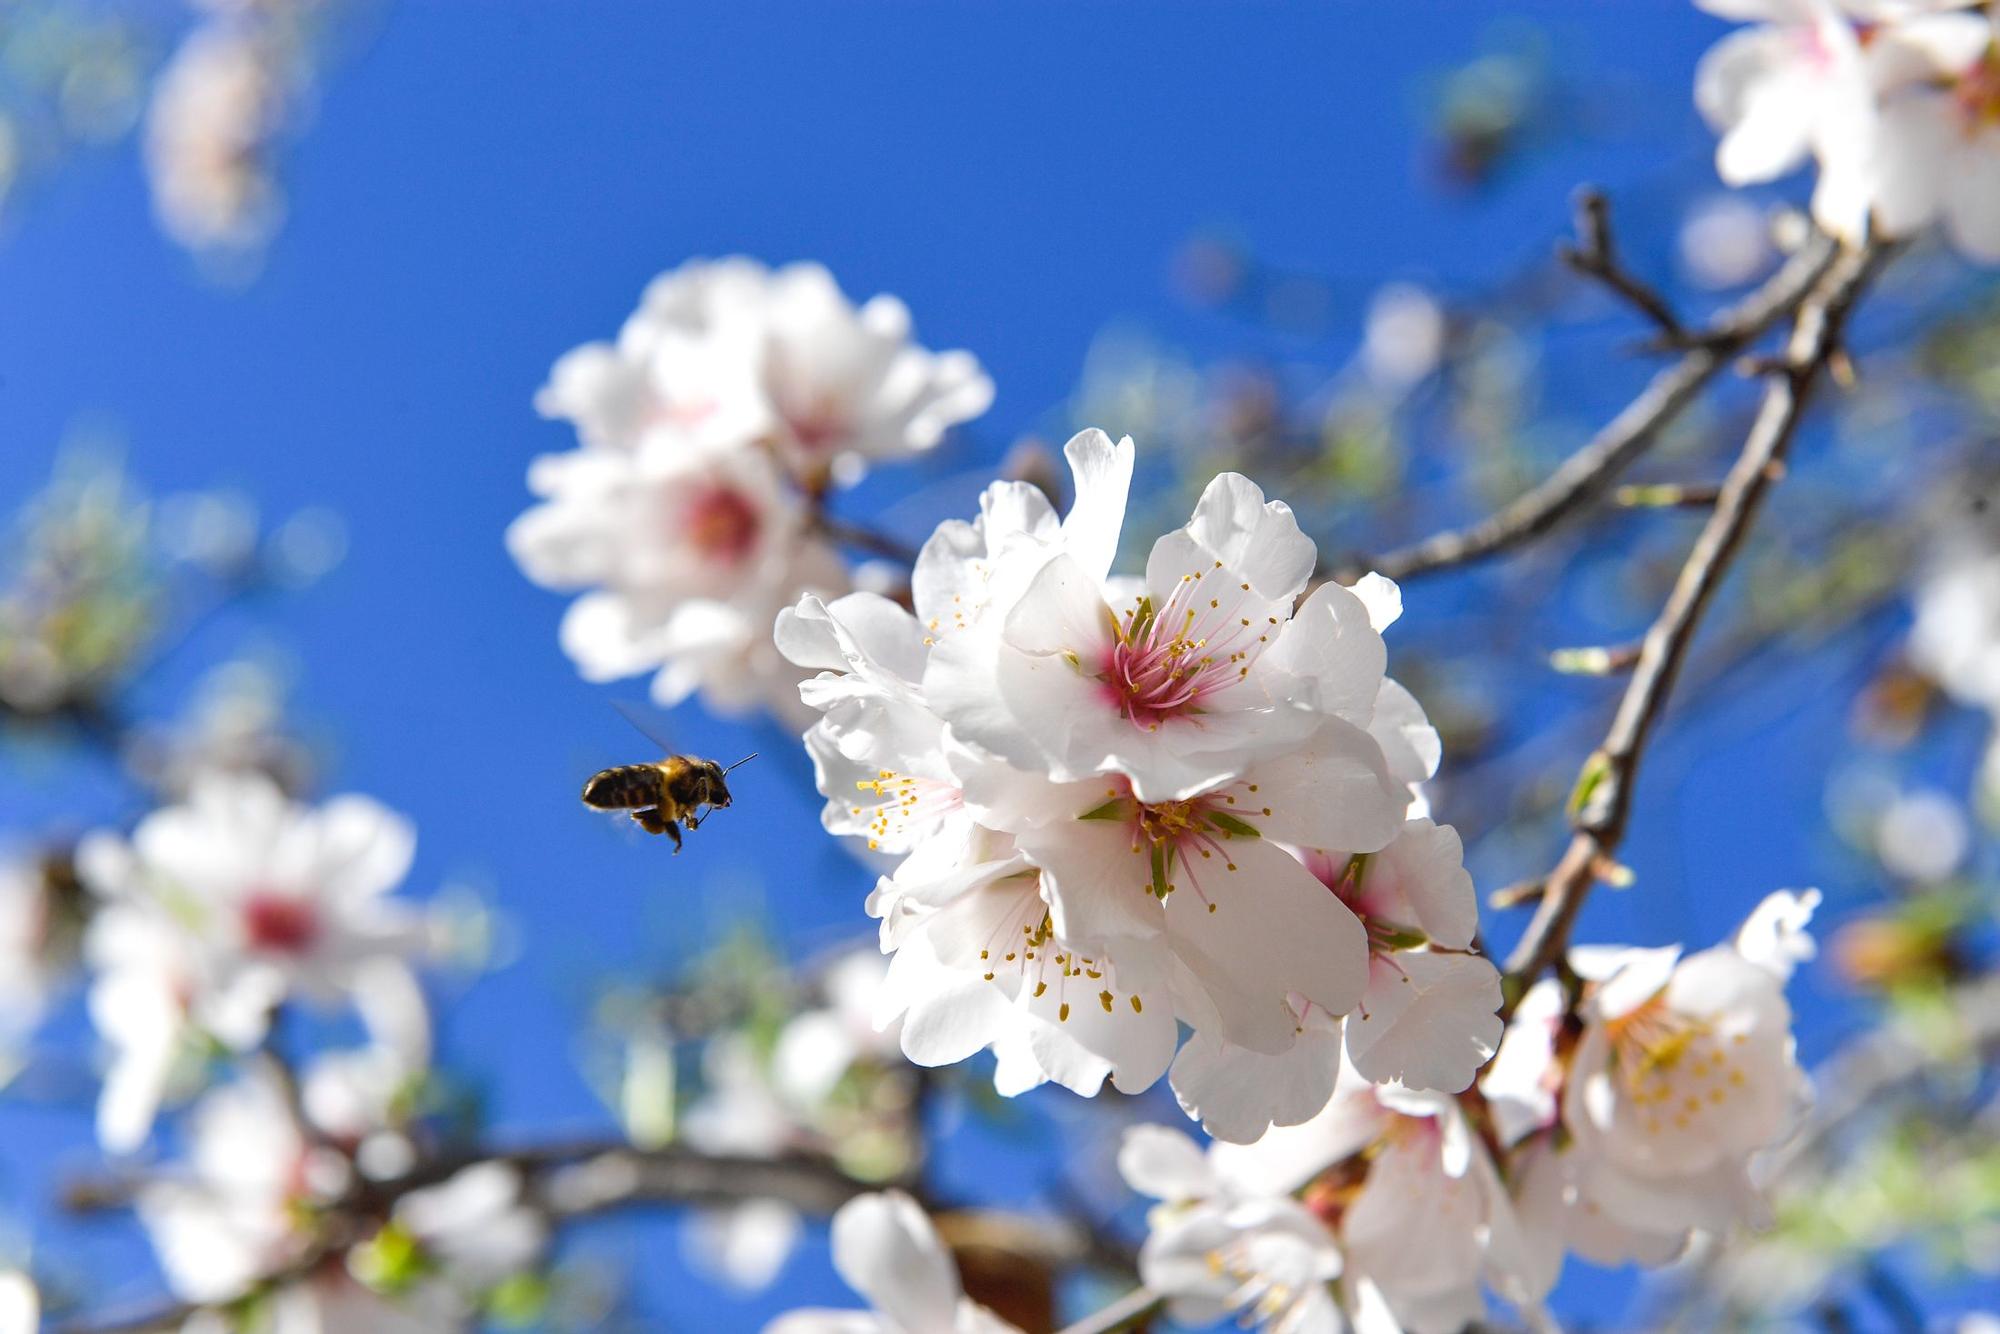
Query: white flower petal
x: 888, y: 1252
x: 1428, y: 1021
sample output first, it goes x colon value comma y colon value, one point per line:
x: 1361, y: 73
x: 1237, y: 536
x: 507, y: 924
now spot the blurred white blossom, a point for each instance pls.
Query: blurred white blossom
x: 216, y: 109
x: 1726, y: 242
x: 1923, y: 835
x: 265, y: 1174
x: 1405, y: 336
x: 889, y: 1253
x: 1896, y: 101
x: 216, y: 911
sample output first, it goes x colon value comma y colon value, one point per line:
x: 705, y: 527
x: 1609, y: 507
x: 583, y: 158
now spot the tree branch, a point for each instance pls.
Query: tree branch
x: 1585, y: 475
x: 1595, y: 255
x: 1604, y: 790
x: 565, y: 1181
x: 863, y: 538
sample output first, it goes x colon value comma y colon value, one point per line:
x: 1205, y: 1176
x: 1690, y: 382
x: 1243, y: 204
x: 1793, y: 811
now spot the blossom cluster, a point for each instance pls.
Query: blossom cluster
x: 1620, y: 1135
x: 1120, y: 805
x: 1898, y: 102
x: 216, y: 911
x: 266, y: 1164
x: 313, y: 1196
x: 711, y: 433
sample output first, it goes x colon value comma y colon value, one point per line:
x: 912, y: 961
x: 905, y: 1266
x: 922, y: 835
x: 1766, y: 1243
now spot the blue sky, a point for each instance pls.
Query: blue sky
x: 487, y: 184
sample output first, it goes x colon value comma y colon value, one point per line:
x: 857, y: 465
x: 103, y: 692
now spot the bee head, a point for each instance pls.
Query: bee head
x: 718, y: 788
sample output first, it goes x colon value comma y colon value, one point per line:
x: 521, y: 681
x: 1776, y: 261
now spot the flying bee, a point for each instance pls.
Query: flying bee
x: 662, y: 796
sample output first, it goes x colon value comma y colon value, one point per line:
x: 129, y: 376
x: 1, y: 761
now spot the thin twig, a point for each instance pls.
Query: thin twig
x: 1604, y: 790
x: 1595, y: 255
x: 1128, y: 1312
x: 1587, y: 473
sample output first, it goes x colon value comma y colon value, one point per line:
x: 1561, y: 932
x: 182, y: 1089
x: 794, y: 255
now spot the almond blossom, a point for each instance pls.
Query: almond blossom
x: 1682, y: 1074
x: 1386, y: 1190
x: 889, y: 1253
x: 1092, y: 782
x: 260, y: 1174
x: 1932, y: 152
x: 1896, y: 100
x: 1217, y: 1246
x: 712, y: 430
x: 783, y: 355
x: 1426, y: 1019
x: 216, y: 107
x: 216, y: 911
x: 1790, y: 86
x: 687, y: 547
x: 1416, y: 1203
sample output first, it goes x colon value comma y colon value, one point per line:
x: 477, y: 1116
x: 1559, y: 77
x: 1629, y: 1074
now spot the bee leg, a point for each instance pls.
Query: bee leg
x: 692, y: 820
x: 655, y: 821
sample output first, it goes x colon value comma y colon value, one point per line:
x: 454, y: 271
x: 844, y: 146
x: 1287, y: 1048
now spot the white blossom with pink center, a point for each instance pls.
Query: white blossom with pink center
x: 1428, y: 1018
x: 1064, y: 912
x: 216, y: 911
x: 777, y: 359
x: 1174, y: 684
x: 687, y: 550
x: 1779, y: 92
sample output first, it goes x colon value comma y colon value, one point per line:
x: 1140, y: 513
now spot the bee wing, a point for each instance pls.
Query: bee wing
x: 648, y: 723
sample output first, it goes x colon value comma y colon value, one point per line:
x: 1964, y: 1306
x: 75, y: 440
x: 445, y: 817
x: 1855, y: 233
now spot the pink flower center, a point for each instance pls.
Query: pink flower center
x: 1370, y: 892
x: 279, y: 923
x: 1165, y: 661
x: 722, y: 524
x: 818, y: 427
x: 1178, y: 838
x: 1977, y: 93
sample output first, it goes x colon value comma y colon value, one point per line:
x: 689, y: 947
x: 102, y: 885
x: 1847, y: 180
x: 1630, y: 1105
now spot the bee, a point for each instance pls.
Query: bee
x: 662, y: 796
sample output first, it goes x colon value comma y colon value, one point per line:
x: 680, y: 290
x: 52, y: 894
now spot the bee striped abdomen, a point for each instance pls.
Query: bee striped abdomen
x: 626, y: 786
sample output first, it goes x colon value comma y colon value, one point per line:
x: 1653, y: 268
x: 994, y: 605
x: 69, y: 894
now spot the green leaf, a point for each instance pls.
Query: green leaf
x: 1595, y: 770
x: 1118, y: 808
